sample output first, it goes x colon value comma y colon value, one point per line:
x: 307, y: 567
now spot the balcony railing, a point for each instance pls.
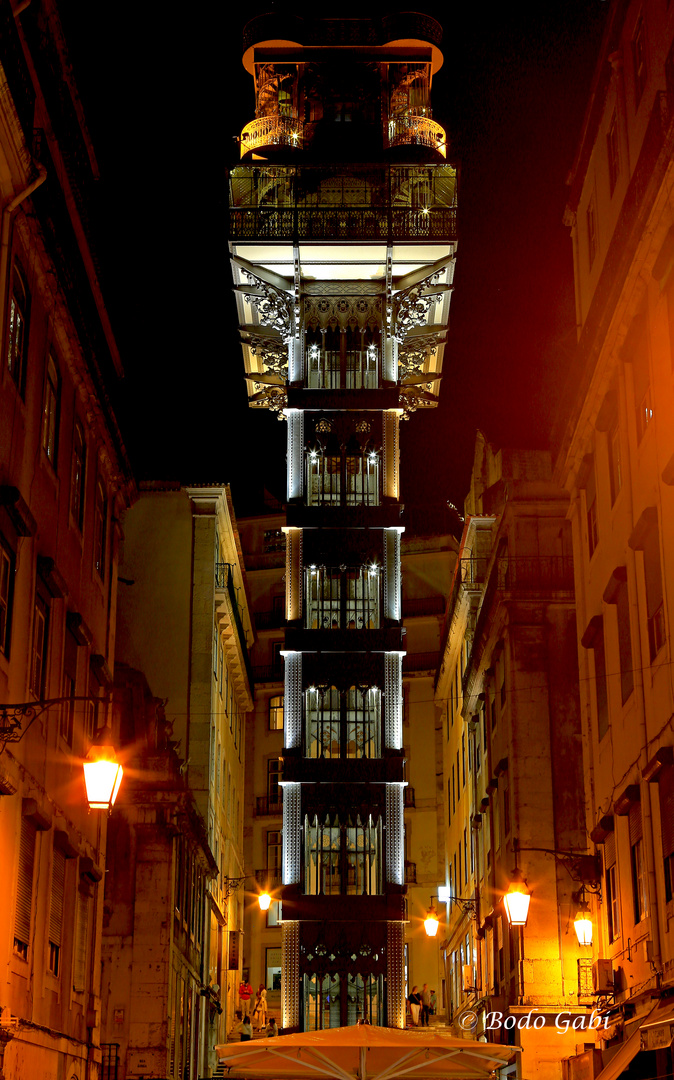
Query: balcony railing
x: 273, y: 130
x: 535, y: 573
x: 269, y: 879
x: 413, y: 130
x: 266, y: 805
x: 362, y: 203
x: 224, y: 580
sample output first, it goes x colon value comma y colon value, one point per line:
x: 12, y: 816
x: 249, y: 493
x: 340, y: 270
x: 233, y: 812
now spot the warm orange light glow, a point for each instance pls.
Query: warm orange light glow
x: 102, y: 773
x: 264, y: 900
x: 582, y: 924
x: 431, y: 921
x: 516, y: 901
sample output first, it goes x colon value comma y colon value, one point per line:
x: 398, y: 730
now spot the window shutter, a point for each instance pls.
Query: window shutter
x: 24, y: 885
x: 58, y: 879
x: 80, y: 966
x: 666, y: 790
x: 636, y: 830
x: 609, y: 850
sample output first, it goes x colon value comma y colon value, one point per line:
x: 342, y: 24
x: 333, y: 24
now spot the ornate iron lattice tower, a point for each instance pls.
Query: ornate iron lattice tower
x: 342, y: 241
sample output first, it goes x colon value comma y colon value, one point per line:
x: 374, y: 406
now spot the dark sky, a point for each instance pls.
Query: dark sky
x: 165, y: 95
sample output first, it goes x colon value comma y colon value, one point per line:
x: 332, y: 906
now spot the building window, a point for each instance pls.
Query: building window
x: 50, y: 412
x: 614, y: 462
x: 592, y: 234
x: 38, y: 666
x: 58, y: 878
x: 342, y: 598
x: 591, y: 510
x: 81, y: 940
x: 666, y: 793
x: 342, y: 857
x: 100, y: 528
x: 77, y: 475
x: 639, y: 890
x: 349, y: 477
x: 655, y: 610
x: 24, y: 889
x: 612, y: 894
x: 274, y: 773
x: 635, y: 352
x: 276, y: 713
x: 639, y: 60
x: 613, y: 152
x: 69, y: 688
x: 6, y: 595
x: 342, y: 724
x: 17, y: 342
x: 619, y: 595
x: 593, y: 638
x: 274, y: 540
x: 342, y: 361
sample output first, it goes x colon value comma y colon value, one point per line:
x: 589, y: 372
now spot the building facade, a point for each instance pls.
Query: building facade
x: 64, y: 483
x: 616, y: 459
x: 507, y: 690
x: 158, y: 868
x: 184, y: 621
x: 342, y: 239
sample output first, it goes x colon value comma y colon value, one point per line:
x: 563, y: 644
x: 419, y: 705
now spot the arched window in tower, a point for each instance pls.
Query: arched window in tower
x: 344, y: 724
x: 343, y: 597
x: 338, y: 475
x: 342, y: 857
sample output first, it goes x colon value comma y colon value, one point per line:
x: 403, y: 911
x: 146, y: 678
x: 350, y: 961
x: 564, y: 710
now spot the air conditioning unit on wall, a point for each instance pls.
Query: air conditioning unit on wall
x: 602, y: 977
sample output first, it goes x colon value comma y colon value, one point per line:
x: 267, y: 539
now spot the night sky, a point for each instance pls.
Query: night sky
x: 165, y: 96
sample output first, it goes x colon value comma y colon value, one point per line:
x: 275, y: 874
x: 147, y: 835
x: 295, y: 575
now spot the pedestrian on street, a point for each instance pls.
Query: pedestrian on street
x: 272, y: 1028
x: 246, y: 1029
x: 415, y: 1005
x: 425, y: 1005
x: 260, y: 1010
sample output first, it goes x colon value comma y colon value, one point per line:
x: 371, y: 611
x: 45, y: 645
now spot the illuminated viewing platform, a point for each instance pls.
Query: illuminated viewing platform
x: 370, y: 202
x: 415, y: 130
x: 267, y: 131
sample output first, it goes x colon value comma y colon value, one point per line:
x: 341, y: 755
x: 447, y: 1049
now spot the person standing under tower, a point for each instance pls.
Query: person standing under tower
x: 425, y: 1005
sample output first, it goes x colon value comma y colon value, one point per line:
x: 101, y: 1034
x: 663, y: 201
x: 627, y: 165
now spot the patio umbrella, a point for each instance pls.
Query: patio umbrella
x: 365, y: 1053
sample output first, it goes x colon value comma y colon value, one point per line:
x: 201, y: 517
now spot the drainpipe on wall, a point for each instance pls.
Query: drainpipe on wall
x: 7, y: 212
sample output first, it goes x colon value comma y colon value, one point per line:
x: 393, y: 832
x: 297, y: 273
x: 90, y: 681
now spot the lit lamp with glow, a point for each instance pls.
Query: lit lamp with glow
x: 517, y: 899
x: 264, y: 900
x: 431, y: 922
x: 582, y: 923
x: 102, y: 772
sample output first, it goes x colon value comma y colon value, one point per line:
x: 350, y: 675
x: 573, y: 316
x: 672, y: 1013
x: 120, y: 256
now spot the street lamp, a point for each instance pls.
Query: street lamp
x: 264, y: 900
x: 582, y: 923
x: 231, y: 884
x: 517, y: 899
x: 431, y: 922
x: 102, y: 772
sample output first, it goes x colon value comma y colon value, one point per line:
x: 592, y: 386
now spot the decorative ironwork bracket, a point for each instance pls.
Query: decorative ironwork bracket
x: 12, y: 717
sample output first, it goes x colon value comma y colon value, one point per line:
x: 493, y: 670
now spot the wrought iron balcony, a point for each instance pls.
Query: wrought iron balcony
x: 276, y: 130
x: 370, y: 202
x: 414, y: 130
x: 267, y: 806
x: 269, y: 879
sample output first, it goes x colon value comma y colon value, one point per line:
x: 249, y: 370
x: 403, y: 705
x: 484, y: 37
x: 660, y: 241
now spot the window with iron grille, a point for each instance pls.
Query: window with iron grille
x: 349, y: 478
x: 342, y: 724
x: 342, y: 360
x: 342, y: 598
x: 342, y: 857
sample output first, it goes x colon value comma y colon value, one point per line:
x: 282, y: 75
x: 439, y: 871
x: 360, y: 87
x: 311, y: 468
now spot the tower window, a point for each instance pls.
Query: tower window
x: 343, y: 598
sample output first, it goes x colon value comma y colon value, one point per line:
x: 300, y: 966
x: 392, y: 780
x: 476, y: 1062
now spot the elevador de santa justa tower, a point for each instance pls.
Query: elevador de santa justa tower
x: 342, y: 241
